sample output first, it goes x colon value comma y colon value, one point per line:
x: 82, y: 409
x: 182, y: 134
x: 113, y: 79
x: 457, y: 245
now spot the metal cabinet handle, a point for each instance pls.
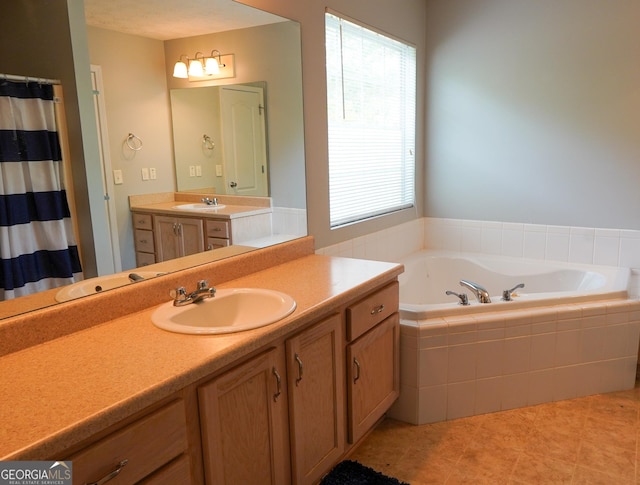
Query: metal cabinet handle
x: 110, y: 475
x: 233, y: 184
x: 299, y: 378
x: 377, y: 309
x: 278, y: 384
x: 357, y: 364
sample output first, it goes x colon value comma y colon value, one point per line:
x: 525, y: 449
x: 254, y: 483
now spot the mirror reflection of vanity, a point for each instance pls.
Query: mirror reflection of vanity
x: 272, y: 61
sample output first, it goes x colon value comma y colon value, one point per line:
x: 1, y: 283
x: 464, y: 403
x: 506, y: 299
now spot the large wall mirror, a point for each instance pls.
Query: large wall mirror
x: 267, y: 57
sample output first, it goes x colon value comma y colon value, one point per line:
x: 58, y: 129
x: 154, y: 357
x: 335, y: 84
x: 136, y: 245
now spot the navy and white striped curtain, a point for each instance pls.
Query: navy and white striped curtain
x: 37, y: 243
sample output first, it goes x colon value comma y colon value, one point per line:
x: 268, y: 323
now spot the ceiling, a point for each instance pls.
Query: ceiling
x: 173, y: 19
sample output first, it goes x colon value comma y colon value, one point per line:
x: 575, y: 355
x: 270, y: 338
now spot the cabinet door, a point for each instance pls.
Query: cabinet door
x: 191, y: 232
x: 244, y: 423
x: 166, y: 240
x: 373, y: 376
x: 315, y: 377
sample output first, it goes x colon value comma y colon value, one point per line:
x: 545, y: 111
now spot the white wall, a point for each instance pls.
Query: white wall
x: 534, y: 112
x: 137, y: 101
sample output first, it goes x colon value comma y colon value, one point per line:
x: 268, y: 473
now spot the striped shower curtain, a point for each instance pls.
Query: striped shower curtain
x: 37, y: 243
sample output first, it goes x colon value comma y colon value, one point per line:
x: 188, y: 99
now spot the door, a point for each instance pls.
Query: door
x: 244, y: 423
x: 315, y: 377
x: 243, y: 134
x: 107, y: 177
x: 373, y: 376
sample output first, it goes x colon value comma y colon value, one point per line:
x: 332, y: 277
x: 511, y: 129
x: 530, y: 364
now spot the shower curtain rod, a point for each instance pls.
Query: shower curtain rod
x: 41, y: 80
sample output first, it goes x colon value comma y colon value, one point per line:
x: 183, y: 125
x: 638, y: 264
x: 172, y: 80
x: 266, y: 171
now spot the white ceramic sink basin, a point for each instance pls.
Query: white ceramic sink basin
x: 101, y: 283
x: 199, y: 207
x: 230, y: 310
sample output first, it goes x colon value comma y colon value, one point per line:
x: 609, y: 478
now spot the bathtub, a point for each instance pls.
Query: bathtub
x: 571, y: 331
x: 429, y: 274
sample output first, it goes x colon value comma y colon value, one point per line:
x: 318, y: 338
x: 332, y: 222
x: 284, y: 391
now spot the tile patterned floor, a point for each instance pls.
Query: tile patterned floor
x: 591, y: 440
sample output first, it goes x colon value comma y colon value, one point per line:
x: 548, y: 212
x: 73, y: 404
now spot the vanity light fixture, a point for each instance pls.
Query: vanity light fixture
x: 199, y: 66
x: 180, y: 68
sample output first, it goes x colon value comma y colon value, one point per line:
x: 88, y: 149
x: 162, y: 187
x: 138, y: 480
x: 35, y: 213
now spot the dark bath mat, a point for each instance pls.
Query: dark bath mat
x: 353, y: 473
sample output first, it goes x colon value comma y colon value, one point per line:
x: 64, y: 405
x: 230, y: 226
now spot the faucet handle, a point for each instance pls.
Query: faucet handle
x: 464, y: 299
x: 506, y: 294
x: 203, y: 285
x: 179, y: 292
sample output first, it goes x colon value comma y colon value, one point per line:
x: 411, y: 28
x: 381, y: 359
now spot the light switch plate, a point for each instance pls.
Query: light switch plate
x: 117, y: 177
x: 145, y: 174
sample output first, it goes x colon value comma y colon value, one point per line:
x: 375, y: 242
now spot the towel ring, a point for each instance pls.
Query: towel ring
x: 134, y: 142
x: 208, y: 142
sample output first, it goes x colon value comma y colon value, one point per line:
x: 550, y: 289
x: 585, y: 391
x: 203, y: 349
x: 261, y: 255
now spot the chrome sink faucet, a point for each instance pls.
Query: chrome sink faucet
x: 480, y: 293
x: 180, y: 296
x: 209, y: 201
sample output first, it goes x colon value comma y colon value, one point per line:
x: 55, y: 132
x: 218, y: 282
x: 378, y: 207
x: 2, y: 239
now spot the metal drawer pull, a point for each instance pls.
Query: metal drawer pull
x: 111, y: 475
x: 377, y: 309
x: 357, y: 376
x: 278, y: 384
x: 297, y: 357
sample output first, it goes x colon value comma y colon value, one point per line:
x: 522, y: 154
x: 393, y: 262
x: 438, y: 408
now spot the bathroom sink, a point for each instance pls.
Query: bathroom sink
x: 230, y: 310
x: 199, y: 207
x: 95, y: 285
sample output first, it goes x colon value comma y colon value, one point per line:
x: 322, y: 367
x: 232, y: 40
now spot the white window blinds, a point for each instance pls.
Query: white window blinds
x: 371, y: 103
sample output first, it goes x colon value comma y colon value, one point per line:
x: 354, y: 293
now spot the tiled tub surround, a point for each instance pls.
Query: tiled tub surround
x: 453, y: 367
x: 478, y: 363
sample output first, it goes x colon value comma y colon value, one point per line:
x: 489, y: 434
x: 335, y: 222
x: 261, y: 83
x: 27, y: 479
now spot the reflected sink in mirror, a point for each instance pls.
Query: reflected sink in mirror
x: 199, y: 207
x: 102, y: 283
x: 229, y: 311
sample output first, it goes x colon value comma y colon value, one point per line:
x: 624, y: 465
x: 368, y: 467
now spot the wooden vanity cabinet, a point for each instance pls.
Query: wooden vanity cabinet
x: 243, y: 415
x: 373, y: 371
x: 268, y: 421
x: 177, y: 236
x: 284, y: 416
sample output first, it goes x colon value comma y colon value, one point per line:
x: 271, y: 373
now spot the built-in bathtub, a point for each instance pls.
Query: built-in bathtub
x: 571, y: 331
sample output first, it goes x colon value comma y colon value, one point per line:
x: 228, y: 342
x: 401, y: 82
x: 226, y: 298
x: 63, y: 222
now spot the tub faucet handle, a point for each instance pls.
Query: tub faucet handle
x: 506, y: 294
x: 464, y: 299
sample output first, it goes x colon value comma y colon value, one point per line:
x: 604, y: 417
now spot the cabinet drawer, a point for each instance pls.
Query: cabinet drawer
x: 216, y: 242
x: 142, y: 221
x: 371, y: 310
x: 178, y: 471
x: 218, y: 229
x: 144, y: 241
x: 146, y: 445
x: 145, y: 259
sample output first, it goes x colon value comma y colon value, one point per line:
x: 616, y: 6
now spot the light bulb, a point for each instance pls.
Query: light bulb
x: 180, y: 70
x: 195, y: 68
x: 211, y: 66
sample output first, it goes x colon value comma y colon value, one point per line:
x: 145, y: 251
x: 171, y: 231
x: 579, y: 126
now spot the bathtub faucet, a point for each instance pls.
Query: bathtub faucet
x: 464, y: 300
x: 506, y: 294
x: 481, y: 294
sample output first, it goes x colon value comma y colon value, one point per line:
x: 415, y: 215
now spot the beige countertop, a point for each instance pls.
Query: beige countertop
x: 61, y: 392
x: 227, y: 212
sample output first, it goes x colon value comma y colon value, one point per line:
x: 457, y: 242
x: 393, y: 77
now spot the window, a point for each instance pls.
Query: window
x: 371, y: 104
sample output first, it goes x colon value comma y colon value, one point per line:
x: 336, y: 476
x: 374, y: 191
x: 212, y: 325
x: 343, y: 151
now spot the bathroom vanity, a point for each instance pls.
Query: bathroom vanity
x: 172, y: 225
x: 278, y: 404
